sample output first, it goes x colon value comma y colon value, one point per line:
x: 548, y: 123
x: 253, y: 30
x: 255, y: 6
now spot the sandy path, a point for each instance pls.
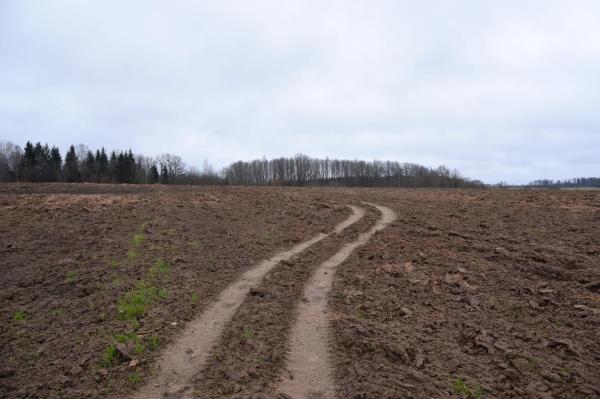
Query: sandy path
x: 182, y: 360
x: 308, y: 362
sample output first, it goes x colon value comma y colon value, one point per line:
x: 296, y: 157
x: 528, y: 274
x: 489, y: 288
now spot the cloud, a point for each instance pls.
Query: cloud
x: 504, y: 91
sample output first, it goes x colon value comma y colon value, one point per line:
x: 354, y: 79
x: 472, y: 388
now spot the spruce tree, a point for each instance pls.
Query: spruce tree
x: 153, y: 178
x: 71, y: 169
x: 89, y: 172
x: 55, y: 163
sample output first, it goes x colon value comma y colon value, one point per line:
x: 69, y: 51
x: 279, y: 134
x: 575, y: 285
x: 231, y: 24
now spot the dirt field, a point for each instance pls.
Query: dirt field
x: 472, y: 294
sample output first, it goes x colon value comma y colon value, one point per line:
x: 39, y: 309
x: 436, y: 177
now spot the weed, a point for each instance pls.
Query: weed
x: 19, y: 316
x: 71, y: 276
x: 124, y: 338
x: 248, y: 333
x: 133, y: 305
x: 466, y: 390
x: 339, y: 295
x: 195, y: 298
x: 116, y: 283
x: 139, y: 348
x: 135, y: 378
x: 114, y: 263
x: 533, y: 362
x: 132, y: 254
x: 154, y: 343
x: 109, y: 356
x: 138, y: 239
x: 163, y: 293
x: 159, y: 270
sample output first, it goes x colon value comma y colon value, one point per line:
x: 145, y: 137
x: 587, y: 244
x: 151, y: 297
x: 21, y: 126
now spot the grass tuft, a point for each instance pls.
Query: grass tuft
x: 19, y: 316
x: 133, y: 305
x: 136, y: 378
x: 109, y: 356
x: 159, y: 270
x: 154, y: 343
x: 138, y: 239
x: 71, y: 276
x: 248, y: 333
x: 466, y: 390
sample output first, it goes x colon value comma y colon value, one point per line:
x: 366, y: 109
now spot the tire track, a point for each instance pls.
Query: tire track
x: 309, y: 367
x: 250, y: 355
x: 189, y: 352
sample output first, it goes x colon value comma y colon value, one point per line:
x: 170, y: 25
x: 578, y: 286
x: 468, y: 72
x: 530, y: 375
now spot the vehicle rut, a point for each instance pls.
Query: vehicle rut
x: 187, y: 355
x: 309, y: 373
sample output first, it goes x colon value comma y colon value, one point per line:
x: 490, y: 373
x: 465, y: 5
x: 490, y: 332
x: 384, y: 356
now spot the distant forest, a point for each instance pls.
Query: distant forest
x: 42, y: 163
x: 578, y: 182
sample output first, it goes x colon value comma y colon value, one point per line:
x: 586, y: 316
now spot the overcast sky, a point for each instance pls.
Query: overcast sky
x: 501, y: 90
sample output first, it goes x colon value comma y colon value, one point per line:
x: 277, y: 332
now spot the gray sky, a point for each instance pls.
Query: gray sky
x: 501, y: 90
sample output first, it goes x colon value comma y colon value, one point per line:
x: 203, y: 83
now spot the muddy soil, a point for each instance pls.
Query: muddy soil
x: 468, y: 294
x: 473, y: 294
x: 71, y: 254
x: 250, y: 357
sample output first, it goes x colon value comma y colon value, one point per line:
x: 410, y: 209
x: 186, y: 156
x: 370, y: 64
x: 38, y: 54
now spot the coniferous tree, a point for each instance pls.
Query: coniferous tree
x: 89, y: 168
x: 71, y: 170
x: 55, y: 163
x: 103, y: 166
x: 153, y: 178
x: 113, y: 168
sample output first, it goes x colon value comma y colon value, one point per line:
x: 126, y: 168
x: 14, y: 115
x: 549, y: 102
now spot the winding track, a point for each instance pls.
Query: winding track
x: 308, y: 361
x: 189, y: 353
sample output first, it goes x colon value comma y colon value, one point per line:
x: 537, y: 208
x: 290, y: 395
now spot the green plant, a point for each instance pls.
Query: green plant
x: 71, y: 275
x: 154, y: 343
x: 132, y: 254
x: 117, y: 282
x: 135, y: 378
x: 533, y: 362
x: 138, y: 239
x: 109, y: 356
x: 195, y: 298
x: 114, y: 263
x: 248, y: 333
x: 19, y: 316
x: 124, y: 338
x: 139, y: 348
x: 159, y: 270
x: 466, y: 390
x: 133, y: 305
x: 163, y: 293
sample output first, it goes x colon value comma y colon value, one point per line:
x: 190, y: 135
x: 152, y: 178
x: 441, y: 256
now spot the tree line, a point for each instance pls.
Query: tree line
x: 42, y: 163
x: 574, y: 182
x: 302, y: 170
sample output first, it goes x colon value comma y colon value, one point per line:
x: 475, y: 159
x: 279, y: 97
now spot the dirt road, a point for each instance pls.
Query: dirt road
x: 308, y: 360
x: 189, y: 352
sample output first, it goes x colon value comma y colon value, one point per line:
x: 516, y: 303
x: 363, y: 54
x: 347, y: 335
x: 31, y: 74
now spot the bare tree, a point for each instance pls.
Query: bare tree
x: 11, y: 156
x: 172, y: 165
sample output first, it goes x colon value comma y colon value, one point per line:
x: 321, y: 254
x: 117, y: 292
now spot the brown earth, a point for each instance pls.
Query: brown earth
x: 68, y: 259
x: 489, y: 294
x: 469, y: 293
